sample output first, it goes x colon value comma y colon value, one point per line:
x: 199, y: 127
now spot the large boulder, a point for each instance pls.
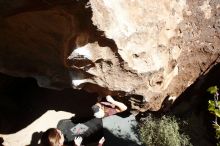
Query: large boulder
x: 161, y: 47
x: 144, y: 48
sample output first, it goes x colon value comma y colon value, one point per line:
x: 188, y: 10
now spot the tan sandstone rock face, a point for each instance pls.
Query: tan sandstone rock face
x: 148, y: 48
x: 162, y: 47
x: 35, y: 38
x: 139, y: 29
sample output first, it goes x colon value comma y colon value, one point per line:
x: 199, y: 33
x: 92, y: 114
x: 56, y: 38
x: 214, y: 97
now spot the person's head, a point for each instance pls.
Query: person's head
x: 52, y: 137
x: 98, y: 110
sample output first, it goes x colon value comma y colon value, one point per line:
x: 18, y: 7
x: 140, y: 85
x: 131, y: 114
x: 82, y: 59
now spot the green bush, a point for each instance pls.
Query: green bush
x: 162, y: 131
x: 214, y: 108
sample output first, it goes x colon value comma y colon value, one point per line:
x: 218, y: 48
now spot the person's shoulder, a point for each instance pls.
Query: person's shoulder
x: 65, y: 124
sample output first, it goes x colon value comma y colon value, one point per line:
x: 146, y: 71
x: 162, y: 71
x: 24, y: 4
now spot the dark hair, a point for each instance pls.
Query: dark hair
x: 1, y: 141
x: 95, y: 108
x: 50, y: 137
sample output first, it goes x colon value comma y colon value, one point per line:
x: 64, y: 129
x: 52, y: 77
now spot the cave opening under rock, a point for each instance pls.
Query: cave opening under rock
x: 23, y: 101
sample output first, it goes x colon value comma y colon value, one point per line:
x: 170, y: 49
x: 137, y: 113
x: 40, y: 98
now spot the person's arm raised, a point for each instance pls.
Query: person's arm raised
x: 101, y: 141
x: 122, y: 107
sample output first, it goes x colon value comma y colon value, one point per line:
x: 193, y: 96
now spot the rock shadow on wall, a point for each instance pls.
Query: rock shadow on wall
x: 1, y: 141
x: 197, y: 93
x: 192, y: 106
x: 22, y: 102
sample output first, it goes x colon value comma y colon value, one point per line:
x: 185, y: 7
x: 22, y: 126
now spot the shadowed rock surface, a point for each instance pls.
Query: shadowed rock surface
x: 143, y: 50
x: 120, y: 48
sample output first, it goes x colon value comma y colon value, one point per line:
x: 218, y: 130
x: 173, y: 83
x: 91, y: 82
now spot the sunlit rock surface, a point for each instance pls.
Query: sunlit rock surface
x: 154, y: 49
x: 162, y: 47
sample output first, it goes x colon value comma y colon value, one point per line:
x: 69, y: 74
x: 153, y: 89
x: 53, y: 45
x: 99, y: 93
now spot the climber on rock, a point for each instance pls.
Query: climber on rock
x: 70, y: 129
x: 111, y: 107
